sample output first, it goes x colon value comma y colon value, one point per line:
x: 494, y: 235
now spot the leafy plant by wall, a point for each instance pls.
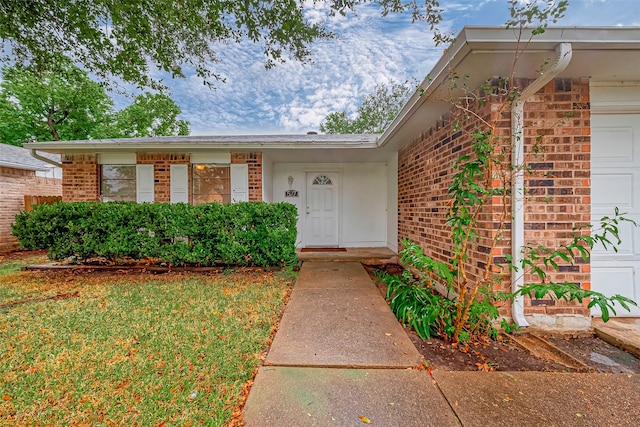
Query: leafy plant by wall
x: 247, y: 234
x: 472, y: 266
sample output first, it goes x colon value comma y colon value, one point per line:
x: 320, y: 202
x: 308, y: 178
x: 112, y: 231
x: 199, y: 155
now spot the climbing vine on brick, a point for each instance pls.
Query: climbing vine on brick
x: 456, y: 293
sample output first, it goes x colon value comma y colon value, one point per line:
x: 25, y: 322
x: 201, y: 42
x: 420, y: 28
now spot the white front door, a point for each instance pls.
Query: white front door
x: 321, y: 216
x: 615, y: 182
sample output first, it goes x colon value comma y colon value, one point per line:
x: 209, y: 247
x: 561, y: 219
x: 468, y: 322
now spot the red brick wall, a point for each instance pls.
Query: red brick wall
x: 14, y: 185
x: 559, y: 188
x: 80, y: 178
x: 162, y: 171
x: 424, y: 174
x: 558, y: 185
x: 254, y: 160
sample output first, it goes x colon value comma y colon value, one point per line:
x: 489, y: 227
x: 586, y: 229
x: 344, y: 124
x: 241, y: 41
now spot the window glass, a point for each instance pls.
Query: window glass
x: 211, y: 183
x: 322, y: 180
x: 118, y: 183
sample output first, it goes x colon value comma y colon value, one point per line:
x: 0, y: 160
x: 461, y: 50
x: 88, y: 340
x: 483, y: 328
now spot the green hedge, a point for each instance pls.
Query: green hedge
x: 248, y: 233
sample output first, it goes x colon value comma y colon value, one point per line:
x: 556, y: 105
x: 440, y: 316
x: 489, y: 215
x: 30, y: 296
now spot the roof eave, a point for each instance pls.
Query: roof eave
x: 497, y: 40
x: 59, y: 148
x: 208, y: 143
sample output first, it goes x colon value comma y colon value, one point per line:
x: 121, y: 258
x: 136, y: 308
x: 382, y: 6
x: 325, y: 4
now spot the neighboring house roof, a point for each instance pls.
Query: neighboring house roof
x: 15, y: 157
x: 479, y: 53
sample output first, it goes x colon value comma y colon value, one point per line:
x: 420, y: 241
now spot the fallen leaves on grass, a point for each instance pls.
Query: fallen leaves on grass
x: 143, y: 339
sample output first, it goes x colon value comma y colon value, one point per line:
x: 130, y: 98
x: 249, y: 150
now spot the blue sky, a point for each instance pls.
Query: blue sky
x: 369, y: 49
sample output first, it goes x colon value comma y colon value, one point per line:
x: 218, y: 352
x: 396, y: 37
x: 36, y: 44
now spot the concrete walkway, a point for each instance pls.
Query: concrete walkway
x: 340, y: 358
x: 336, y: 320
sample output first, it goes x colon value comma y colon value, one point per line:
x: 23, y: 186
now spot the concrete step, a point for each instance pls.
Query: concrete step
x: 622, y: 333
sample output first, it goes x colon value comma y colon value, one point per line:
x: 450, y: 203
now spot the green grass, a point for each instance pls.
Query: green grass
x: 139, y: 350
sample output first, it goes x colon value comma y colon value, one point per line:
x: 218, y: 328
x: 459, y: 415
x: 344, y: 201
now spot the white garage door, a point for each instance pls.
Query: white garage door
x: 615, y: 182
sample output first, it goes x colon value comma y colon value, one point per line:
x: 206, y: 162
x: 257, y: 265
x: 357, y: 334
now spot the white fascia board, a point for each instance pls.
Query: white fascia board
x: 580, y: 37
x: 201, y: 144
x: 182, y: 147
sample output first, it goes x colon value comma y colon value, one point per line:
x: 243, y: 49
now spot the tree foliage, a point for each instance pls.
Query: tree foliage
x: 377, y: 111
x: 128, y: 39
x: 151, y: 115
x: 62, y: 103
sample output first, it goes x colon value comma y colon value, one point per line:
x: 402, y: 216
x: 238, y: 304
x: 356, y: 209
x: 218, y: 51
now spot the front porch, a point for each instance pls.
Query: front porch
x: 367, y: 256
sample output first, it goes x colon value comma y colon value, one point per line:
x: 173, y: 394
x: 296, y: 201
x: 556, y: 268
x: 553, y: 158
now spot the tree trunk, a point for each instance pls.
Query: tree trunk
x: 52, y: 128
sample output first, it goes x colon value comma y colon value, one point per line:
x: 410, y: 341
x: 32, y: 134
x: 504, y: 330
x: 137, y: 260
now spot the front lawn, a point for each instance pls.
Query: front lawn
x: 132, y: 349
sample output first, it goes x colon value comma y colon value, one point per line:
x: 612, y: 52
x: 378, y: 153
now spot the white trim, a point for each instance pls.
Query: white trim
x: 223, y: 158
x: 210, y: 143
x: 117, y: 158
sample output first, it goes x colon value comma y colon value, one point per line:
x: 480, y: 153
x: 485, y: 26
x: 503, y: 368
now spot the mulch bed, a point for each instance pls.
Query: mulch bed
x: 19, y: 255
x: 504, y: 355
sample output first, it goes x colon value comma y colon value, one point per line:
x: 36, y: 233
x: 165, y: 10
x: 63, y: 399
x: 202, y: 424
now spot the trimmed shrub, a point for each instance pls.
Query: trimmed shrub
x: 247, y: 233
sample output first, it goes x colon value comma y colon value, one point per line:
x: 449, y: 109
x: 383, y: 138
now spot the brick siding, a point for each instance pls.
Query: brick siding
x: 14, y: 185
x: 558, y: 186
x: 81, y: 174
x: 162, y: 171
x: 80, y: 178
x: 254, y: 160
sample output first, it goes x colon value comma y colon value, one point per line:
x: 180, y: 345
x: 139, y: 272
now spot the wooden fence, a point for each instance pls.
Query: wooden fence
x: 29, y: 201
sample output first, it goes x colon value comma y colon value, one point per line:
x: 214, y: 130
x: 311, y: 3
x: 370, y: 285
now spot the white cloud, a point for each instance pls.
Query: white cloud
x: 368, y: 50
x: 293, y: 97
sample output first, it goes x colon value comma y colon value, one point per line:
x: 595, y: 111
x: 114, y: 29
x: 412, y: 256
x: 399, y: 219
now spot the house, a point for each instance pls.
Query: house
x: 23, y: 175
x: 581, y: 101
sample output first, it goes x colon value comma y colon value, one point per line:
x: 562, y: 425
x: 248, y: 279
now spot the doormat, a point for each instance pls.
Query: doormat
x: 323, y: 250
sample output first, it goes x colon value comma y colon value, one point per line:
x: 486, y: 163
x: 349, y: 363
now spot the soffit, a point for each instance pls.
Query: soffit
x: 480, y: 53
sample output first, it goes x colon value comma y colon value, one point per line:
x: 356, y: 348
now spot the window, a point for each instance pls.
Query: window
x: 211, y: 183
x: 118, y: 183
x: 322, y: 180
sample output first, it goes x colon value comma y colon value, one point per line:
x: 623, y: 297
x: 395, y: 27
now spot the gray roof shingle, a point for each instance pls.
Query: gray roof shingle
x: 20, y: 158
